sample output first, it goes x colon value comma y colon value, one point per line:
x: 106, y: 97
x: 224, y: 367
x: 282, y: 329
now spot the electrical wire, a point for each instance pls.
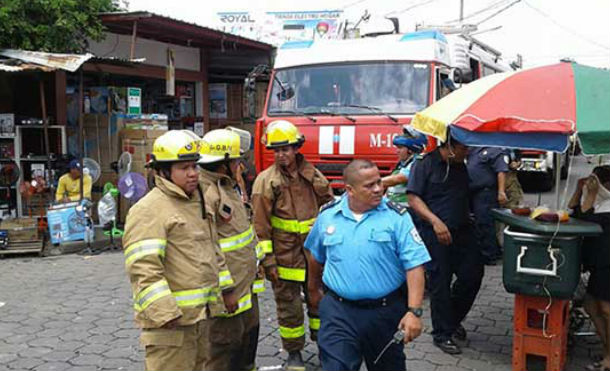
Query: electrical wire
x: 421, y: 3
x: 565, y: 28
x: 480, y: 11
x: 354, y: 3
x: 499, y: 11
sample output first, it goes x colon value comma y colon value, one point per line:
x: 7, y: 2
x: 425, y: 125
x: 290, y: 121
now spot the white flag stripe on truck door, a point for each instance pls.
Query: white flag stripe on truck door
x: 347, y: 139
x: 325, y: 140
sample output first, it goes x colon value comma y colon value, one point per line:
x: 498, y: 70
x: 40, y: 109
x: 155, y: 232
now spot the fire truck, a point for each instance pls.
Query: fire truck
x: 350, y: 97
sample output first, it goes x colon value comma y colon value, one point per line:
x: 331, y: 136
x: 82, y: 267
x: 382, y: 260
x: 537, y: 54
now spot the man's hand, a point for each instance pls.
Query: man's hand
x: 314, y: 297
x: 502, y: 199
x: 230, y: 300
x: 411, y: 325
x: 442, y: 233
x: 170, y: 325
x: 581, y: 183
x: 592, y: 184
x: 271, y: 274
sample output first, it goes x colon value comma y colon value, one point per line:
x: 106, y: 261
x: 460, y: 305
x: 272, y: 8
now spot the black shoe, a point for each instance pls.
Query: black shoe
x: 294, y: 362
x: 490, y: 261
x: 460, y: 333
x: 448, y: 346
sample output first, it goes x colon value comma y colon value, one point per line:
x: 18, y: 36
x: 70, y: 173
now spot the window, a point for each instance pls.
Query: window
x: 394, y: 88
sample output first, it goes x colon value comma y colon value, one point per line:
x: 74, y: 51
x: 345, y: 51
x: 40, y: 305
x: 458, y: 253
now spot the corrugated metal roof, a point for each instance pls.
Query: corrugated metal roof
x: 23, y: 60
x: 192, y: 32
x: 13, y: 65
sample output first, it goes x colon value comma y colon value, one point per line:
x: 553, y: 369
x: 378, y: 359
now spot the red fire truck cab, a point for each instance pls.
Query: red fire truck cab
x: 350, y: 97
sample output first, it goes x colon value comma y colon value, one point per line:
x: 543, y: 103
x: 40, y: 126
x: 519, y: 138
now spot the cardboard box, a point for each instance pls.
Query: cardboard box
x: 101, y: 138
x: 65, y: 224
x: 140, y: 144
x: 141, y: 133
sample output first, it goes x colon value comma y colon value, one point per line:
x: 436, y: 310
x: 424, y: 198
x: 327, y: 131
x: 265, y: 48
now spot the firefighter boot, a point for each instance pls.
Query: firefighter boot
x: 294, y: 362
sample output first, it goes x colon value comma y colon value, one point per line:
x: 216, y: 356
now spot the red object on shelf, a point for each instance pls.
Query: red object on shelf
x: 535, y: 336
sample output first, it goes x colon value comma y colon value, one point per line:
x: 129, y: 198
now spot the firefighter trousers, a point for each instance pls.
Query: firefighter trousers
x: 291, y: 316
x: 232, y: 341
x: 179, y: 349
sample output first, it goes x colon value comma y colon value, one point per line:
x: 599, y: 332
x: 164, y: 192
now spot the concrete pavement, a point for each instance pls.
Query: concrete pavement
x: 74, y: 313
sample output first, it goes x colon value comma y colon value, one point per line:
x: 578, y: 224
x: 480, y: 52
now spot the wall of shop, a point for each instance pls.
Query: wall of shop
x: 154, y: 52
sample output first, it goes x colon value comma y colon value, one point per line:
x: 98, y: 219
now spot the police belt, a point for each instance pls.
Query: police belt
x: 398, y: 294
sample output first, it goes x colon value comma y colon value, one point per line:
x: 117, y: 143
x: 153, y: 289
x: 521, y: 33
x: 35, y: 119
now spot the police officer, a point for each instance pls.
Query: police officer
x: 487, y: 168
x: 363, y: 249
x: 233, y: 338
x: 438, y: 193
x: 408, y: 145
x: 286, y: 199
x: 172, y: 259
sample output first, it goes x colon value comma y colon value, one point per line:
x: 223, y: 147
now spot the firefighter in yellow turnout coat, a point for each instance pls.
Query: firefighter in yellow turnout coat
x: 172, y: 258
x: 232, y: 338
x: 286, y: 198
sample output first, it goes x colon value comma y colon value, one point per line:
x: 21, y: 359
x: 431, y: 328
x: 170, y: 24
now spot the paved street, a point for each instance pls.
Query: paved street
x: 74, y: 313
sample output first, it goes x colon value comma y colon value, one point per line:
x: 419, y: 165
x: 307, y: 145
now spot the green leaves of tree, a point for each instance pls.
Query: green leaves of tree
x: 61, y: 26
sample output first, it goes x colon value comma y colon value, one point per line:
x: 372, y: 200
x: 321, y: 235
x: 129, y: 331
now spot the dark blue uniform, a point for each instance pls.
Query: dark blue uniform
x: 365, y: 262
x: 484, y: 164
x: 444, y: 189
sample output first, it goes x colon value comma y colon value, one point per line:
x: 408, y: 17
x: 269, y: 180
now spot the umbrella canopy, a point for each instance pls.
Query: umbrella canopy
x: 537, y: 108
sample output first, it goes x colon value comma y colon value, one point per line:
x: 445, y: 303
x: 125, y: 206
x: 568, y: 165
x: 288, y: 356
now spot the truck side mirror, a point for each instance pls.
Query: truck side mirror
x: 457, y: 76
x: 286, y: 94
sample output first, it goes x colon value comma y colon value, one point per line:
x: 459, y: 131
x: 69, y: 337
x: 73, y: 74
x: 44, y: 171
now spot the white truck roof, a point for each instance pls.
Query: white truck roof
x: 422, y: 46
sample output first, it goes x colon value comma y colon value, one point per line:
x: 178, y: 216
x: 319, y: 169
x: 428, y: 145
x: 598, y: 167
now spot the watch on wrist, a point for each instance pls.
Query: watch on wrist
x: 417, y: 312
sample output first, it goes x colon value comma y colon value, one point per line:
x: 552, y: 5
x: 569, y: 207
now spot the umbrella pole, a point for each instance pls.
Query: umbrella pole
x: 557, y: 159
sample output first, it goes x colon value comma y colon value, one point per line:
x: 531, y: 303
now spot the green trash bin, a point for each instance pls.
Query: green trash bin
x: 542, y: 259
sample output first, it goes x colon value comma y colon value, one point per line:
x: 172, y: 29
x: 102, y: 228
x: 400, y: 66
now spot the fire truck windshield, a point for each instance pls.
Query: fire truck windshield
x: 354, y: 89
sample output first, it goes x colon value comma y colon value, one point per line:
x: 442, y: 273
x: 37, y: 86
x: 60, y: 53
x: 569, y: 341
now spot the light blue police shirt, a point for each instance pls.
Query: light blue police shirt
x: 366, y: 259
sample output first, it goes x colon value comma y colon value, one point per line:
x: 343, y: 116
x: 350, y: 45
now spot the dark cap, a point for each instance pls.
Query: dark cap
x: 74, y: 164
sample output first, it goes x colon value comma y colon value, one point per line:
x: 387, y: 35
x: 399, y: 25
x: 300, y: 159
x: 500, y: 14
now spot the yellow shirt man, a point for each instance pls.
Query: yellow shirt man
x: 68, y: 188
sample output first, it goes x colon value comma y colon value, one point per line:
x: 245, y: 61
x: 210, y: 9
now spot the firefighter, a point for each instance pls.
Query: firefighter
x: 286, y: 198
x: 172, y: 259
x: 232, y: 337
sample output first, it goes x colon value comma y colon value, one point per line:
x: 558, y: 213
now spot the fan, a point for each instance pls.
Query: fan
x: 107, y: 210
x: 91, y: 168
x: 124, y: 164
x: 133, y: 186
x: 9, y: 175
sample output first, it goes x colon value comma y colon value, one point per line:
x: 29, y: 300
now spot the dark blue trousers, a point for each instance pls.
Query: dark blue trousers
x: 451, y: 300
x: 348, y: 334
x: 482, y: 201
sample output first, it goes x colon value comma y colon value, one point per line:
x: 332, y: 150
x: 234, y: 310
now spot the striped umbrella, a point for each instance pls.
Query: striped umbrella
x: 537, y: 108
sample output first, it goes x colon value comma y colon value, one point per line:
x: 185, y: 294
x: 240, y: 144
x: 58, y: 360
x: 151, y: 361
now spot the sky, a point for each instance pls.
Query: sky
x: 542, y: 31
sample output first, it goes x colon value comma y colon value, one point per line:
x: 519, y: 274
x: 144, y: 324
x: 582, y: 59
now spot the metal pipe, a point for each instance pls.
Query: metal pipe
x: 134, y: 31
x: 81, y: 139
x: 461, y: 10
x: 45, y: 125
x: 557, y: 171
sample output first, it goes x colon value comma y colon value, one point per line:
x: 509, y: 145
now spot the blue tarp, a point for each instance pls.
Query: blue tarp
x: 536, y: 141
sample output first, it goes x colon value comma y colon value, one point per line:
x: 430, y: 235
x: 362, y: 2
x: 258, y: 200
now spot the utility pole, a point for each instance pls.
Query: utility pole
x: 461, y: 10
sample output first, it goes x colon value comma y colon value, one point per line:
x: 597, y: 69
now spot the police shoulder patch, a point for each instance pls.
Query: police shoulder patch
x: 397, y: 207
x: 329, y: 204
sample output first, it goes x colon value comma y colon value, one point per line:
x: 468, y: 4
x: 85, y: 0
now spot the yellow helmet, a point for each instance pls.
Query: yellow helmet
x: 219, y: 145
x: 281, y: 133
x: 176, y: 145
